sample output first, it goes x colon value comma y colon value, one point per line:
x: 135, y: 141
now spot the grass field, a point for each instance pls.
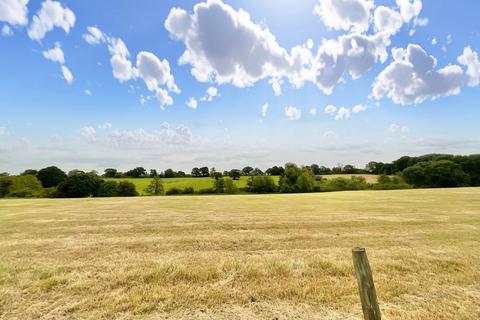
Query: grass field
x: 240, y: 257
x: 204, y: 183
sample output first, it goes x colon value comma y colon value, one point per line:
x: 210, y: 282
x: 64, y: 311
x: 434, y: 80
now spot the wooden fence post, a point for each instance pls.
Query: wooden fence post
x: 366, y: 287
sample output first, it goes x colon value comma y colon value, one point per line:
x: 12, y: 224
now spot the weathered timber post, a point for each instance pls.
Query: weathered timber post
x: 366, y: 287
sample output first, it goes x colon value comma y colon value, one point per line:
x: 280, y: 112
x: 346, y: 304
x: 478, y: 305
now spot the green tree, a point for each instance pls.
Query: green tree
x: 32, y: 172
x: 137, y: 172
x: 108, y: 189
x: 26, y: 186
x: 196, y: 172
x: 235, y: 174
x: 247, y: 170
x: 262, y: 184
x: 80, y: 185
x: 110, y: 173
x: 229, y: 186
x: 204, y: 172
x: 155, y: 188
x: 169, y: 173
x: 126, y: 189
x: 51, y: 176
x: 305, y: 182
x: 415, y: 175
x: 446, y: 174
x: 5, y: 184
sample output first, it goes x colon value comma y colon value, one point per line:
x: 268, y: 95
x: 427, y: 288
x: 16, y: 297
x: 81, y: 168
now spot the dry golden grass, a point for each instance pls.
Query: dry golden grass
x: 240, y: 257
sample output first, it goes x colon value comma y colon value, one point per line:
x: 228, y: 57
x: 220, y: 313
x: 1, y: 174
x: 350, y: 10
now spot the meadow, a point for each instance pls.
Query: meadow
x: 281, y: 256
x: 205, y: 183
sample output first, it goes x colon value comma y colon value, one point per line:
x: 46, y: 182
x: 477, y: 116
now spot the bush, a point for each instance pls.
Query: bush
x: 295, y: 179
x: 5, y: 184
x: 207, y: 191
x: 126, y: 189
x: 51, y: 176
x: 173, y: 191
x: 80, y: 185
x: 26, y: 186
x: 262, y: 184
x: 51, y: 192
x: 384, y: 182
x: 108, y: 189
x: 344, y: 184
x: 188, y: 190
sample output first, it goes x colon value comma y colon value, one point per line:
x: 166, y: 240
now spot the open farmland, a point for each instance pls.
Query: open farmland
x: 204, y: 183
x: 240, y: 257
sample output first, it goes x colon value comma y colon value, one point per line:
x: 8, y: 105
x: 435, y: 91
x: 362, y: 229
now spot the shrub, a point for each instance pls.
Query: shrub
x: 173, y: 191
x: 344, y: 184
x: 25, y: 186
x: 108, y: 189
x: 262, y: 184
x: 385, y: 182
x: 295, y: 179
x: 207, y: 191
x: 188, y: 190
x: 228, y: 186
x: 5, y: 184
x: 126, y: 189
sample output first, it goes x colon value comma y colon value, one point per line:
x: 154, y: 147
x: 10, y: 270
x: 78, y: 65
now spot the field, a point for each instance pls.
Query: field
x: 240, y: 257
x: 204, y: 183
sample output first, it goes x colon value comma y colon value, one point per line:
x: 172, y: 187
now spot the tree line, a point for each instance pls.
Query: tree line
x: 428, y: 171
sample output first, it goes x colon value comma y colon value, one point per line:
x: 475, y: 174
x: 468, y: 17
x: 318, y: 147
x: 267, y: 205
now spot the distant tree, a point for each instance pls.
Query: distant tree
x: 75, y: 171
x: 297, y: 179
x: 446, y: 174
x: 401, y: 164
x: 169, y: 173
x: 219, y: 185
x: 349, y: 169
x: 324, y: 170
x: 5, y: 184
x: 51, y: 176
x: 374, y: 167
x: 196, y: 172
x: 214, y: 174
x: 275, y: 171
x: 305, y: 182
x: 153, y: 173
x: 338, y: 169
x: 204, y: 172
x: 32, y: 172
x: 155, y: 188
x: 235, y: 174
x: 247, y: 170
x: 315, y: 169
x: 415, y: 175
x: 80, y: 185
x: 4, y: 174
x: 256, y: 172
x: 225, y: 185
x: 261, y: 184
x: 108, y: 189
x: 137, y: 172
x: 126, y: 189
x: 26, y: 186
x: 181, y: 174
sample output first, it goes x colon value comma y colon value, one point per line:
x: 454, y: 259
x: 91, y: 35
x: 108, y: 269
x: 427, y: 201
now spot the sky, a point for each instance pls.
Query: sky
x: 226, y: 84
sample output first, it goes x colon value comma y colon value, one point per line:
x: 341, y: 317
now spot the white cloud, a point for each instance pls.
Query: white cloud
x: 349, y: 15
x: 121, y: 65
x: 313, y: 112
x: 293, y: 113
x: 411, y: 78
x: 330, y: 109
x: 163, y: 97
x: 469, y: 58
x: 88, y: 92
x: 434, y: 41
x: 51, y: 14
x: 409, y: 9
x: 387, y: 20
x: 67, y: 74
x: 55, y: 54
x: 264, y: 110
x: 89, y: 133
x: 154, y: 72
x: 359, y: 108
x: 141, y: 138
x: 192, y: 103
x: 248, y: 52
x: 394, y: 128
x: 276, y: 86
x: 105, y: 126
x: 14, y: 12
x: 210, y: 94
x: 94, y: 36
x: 6, y: 31
x: 56, y: 140
x: 342, y: 113
x: 4, y: 132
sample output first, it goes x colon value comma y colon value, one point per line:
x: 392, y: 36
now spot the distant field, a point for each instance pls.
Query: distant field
x: 205, y: 183
x: 240, y: 257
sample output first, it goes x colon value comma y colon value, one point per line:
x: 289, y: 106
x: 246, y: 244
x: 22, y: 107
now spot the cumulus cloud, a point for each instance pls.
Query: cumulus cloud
x: 359, y: 108
x: 67, y: 74
x: 313, y: 112
x: 264, y: 110
x: 55, y: 54
x: 409, y: 9
x: 154, y: 72
x: 192, y: 103
x: 469, y: 58
x: 394, y: 128
x: 293, y: 113
x: 89, y: 133
x: 411, y: 78
x: 330, y: 109
x: 6, y: 31
x: 225, y: 46
x: 276, y: 86
x: 210, y: 93
x: 105, y: 126
x: 140, y: 138
x: 14, y: 12
x: 387, y: 20
x: 94, y: 36
x: 343, y: 113
x: 88, y: 92
x: 345, y: 15
x: 52, y: 14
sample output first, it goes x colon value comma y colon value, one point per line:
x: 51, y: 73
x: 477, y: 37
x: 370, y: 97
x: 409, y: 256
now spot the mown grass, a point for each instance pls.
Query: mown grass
x: 206, y: 183
x: 240, y: 257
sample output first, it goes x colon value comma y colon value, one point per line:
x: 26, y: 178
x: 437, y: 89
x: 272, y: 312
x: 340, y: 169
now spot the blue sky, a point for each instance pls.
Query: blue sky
x: 360, y: 80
